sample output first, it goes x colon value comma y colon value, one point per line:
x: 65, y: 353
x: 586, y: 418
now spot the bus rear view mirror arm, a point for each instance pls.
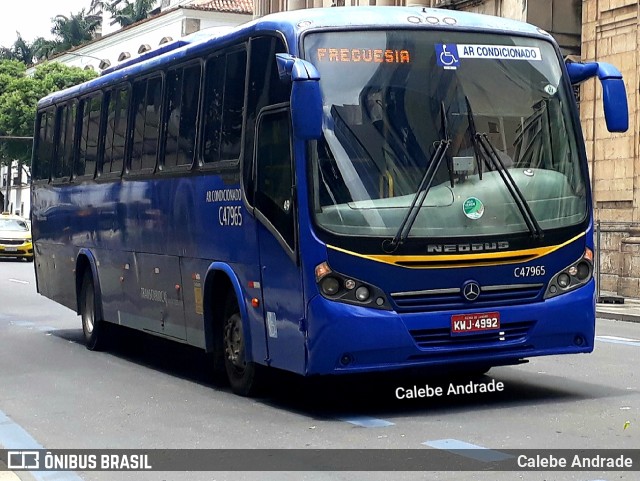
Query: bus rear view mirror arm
x: 306, y: 98
x: 614, y: 95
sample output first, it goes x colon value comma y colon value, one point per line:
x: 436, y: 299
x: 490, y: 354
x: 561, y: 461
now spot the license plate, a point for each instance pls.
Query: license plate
x: 11, y: 249
x: 469, y: 323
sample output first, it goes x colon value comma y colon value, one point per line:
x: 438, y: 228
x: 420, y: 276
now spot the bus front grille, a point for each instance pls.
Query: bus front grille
x: 442, y: 337
x: 452, y: 299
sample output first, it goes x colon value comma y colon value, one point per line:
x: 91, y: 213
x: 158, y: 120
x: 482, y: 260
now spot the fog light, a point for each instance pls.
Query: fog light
x: 362, y: 293
x: 330, y: 286
x: 564, y: 280
x: 346, y: 359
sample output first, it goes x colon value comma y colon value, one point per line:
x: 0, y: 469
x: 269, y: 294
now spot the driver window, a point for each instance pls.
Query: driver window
x: 274, y: 174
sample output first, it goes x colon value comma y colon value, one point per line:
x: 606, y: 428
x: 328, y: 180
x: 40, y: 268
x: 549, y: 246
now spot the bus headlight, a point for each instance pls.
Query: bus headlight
x: 330, y: 285
x: 340, y: 288
x: 362, y: 294
x: 564, y: 280
x: 572, y: 277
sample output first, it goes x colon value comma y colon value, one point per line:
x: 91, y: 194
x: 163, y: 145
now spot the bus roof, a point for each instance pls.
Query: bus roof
x: 292, y: 24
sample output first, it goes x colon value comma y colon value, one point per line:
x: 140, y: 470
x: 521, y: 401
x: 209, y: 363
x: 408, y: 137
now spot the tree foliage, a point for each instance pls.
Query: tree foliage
x: 69, y: 31
x: 28, y: 53
x: 126, y: 12
x: 74, y: 30
x: 19, y: 95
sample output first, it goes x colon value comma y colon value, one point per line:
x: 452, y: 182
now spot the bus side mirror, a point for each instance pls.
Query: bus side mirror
x: 306, y: 98
x: 614, y: 94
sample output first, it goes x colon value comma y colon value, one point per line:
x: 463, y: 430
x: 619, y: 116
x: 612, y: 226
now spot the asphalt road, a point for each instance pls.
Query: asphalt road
x: 149, y: 394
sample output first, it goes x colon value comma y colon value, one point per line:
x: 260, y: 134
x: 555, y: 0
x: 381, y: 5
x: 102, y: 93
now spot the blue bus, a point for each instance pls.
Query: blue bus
x: 328, y: 191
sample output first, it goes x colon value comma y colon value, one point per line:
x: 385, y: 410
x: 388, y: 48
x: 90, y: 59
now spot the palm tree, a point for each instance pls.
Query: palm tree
x: 74, y: 30
x: 131, y: 12
x: 43, y: 48
x: 28, y: 53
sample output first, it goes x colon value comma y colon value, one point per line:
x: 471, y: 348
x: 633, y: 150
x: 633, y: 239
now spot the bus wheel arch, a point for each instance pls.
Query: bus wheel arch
x: 217, y: 288
x: 90, y: 305
x: 226, y: 331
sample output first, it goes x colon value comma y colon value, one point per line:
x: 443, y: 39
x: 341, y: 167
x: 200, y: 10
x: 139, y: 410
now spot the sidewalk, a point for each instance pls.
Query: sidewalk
x: 7, y: 475
x: 629, y: 311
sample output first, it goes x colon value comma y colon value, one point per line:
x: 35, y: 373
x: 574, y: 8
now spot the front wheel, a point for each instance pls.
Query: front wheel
x: 94, y: 330
x: 245, y: 378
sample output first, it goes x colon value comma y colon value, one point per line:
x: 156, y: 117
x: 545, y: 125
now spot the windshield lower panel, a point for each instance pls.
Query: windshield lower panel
x: 390, y: 97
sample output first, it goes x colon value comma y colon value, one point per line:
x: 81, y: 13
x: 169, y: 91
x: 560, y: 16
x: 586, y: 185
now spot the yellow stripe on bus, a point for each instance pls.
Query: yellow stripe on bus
x: 461, y: 260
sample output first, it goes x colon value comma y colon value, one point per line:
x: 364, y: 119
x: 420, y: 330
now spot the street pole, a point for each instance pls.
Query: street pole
x: 8, y: 186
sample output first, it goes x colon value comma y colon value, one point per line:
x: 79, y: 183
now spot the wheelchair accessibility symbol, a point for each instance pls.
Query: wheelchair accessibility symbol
x: 447, y: 55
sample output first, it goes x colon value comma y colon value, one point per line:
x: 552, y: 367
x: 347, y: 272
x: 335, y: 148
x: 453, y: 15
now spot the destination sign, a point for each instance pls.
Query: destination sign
x: 362, y: 55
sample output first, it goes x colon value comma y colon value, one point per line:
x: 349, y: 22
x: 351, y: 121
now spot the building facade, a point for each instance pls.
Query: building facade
x: 14, y: 194
x: 610, y: 34
x: 176, y: 19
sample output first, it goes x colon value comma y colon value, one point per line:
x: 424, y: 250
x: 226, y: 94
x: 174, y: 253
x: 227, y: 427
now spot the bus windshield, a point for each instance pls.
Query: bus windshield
x: 391, y: 97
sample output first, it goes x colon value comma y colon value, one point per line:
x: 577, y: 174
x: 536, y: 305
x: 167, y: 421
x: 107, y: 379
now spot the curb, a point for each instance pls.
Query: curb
x: 618, y: 316
x: 625, y: 312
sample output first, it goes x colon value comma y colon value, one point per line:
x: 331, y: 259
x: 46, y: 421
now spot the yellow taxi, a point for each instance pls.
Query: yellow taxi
x: 15, y: 237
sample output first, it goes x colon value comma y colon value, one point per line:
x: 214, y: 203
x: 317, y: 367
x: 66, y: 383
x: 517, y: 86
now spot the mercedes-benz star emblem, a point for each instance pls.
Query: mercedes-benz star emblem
x: 471, y: 291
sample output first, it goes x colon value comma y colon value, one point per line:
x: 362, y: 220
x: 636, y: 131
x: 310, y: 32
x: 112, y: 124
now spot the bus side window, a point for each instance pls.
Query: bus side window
x: 145, y: 124
x: 233, y: 105
x: 44, y: 150
x: 61, y: 168
x: 70, y: 136
x: 224, y: 106
x: 274, y: 174
x: 88, y: 150
x: 115, y: 134
x: 213, y: 109
x: 183, y: 97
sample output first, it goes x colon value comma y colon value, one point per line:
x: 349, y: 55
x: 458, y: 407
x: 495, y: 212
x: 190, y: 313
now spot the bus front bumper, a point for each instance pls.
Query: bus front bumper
x: 350, y: 339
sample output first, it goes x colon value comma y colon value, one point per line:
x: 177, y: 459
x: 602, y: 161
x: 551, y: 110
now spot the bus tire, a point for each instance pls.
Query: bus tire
x: 94, y: 330
x: 244, y: 377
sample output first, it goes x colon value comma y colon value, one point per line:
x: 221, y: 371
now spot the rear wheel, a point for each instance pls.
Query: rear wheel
x: 245, y: 378
x: 95, y: 335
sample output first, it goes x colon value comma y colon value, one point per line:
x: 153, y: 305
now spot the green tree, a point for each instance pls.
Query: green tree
x: 19, y: 95
x: 127, y: 12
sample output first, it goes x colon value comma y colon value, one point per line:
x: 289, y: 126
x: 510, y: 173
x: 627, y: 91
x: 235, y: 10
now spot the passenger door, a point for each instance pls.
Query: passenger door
x: 283, y: 303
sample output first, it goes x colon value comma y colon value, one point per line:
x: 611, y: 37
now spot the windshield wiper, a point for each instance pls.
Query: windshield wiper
x: 512, y: 187
x: 442, y: 145
x: 491, y: 154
